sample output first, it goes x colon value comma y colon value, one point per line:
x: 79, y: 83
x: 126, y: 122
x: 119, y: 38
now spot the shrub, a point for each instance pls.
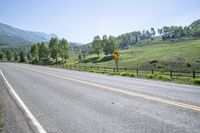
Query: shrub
x: 153, y: 61
x: 126, y: 74
x: 111, y: 73
x: 163, y: 77
x: 151, y: 76
x: 159, y: 77
x: 188, y: 64
x: 196, y: 81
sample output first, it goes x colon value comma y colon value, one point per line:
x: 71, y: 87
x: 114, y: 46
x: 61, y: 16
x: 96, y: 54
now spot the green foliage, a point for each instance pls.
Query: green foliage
x: 97, y: 45
x: 34, y: 53
x: 109, y: 44
x: 43, y: 52
x: 64, y: 49
x: 9, y: 55
x: 80, y: 57
x: 162, y: 54
x: 16, y: 57
x: 127, y: 74
x: 195, y: 81
x: 1, y: 55
x: 22, y: 57
x: 29, y: 57
x: 54, y: 49
x: 159, y: 77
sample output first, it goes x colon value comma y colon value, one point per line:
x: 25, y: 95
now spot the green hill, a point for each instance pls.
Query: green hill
x: 10, y: 36
x: 182, y: 55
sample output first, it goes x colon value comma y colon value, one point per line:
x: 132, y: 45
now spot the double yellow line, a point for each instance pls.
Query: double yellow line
x: 153, y: 98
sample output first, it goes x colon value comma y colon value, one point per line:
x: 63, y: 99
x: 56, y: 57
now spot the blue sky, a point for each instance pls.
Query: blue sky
x: 81, y: 20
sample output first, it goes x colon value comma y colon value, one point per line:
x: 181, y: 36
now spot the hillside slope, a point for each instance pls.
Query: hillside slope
x: 183, y: 55
x: 10, y: 36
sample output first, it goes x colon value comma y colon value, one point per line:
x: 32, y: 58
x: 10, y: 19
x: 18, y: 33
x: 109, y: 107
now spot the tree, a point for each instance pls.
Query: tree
x: 16, y: 57
x: 84, y: 55
x: 34, y: 53
x: 29, y: 57
x: 1, y: 55
x: 22, y: 57
x: 64, y: 49
x: 153, y: 32
x: 43, y: 52
x: 96, y: 45
x: 112, y: 44
x: 105, y: 44
x: 80, y: 57
x: 54, y: 50
x: 159, y: 31
x: 8, y: 55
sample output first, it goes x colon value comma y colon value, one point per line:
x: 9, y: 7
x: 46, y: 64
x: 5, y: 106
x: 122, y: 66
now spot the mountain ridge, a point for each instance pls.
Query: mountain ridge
x: 11, y: 36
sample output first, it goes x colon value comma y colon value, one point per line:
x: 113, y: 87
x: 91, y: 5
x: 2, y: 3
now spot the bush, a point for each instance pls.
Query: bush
x: 153, y: 61
x: 151, y: 76
x: 126, y: 74
x: 196, y: 81
x: 163, y: 77
x: 188, y: 64
x: 159, y: 77
x: 111, y: 73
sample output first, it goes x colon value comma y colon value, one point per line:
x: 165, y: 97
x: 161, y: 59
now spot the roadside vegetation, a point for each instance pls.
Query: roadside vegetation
x: 175, y: 48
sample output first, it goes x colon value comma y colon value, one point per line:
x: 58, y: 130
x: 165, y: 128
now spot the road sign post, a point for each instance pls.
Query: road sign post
x: 116, y: 55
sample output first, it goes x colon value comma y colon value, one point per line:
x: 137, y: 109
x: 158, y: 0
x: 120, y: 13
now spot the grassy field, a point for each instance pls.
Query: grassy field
x: 182, y: 55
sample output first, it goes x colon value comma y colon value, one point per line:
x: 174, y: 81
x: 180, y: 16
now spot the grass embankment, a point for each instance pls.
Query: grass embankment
x: 158, y: 54
x: 177, y: 56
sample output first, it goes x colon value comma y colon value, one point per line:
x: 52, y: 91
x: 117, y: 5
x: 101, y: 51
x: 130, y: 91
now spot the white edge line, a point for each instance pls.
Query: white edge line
x: 40, y: 129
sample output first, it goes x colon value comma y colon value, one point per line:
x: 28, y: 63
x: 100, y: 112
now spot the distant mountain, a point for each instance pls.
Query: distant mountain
x: 10, y: 36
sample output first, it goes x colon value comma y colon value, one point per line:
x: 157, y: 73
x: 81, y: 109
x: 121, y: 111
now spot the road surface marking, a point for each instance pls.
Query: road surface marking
x: 115, y: 89
x: 40, y: 129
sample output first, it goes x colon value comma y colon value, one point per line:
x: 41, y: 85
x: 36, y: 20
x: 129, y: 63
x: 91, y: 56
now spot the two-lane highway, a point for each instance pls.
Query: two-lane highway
x: 79, y: 102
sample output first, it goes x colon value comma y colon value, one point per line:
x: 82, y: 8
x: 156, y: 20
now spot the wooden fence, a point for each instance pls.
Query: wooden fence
x: 137, y: 71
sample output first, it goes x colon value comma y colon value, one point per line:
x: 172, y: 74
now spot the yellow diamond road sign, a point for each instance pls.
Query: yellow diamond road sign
x: 116, y: 55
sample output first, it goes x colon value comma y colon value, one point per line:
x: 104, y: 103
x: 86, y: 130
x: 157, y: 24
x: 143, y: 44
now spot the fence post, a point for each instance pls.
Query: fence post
x: 152, y: 71
x: 137, y: 71
x: 193, y: 74
x: 171, y: 73
x: 125, y: 69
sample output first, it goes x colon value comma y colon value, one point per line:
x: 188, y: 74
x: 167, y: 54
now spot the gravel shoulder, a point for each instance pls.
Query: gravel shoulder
x: 13, y: 119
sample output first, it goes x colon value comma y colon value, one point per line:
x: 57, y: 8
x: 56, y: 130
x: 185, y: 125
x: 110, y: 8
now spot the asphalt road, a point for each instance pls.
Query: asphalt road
x: 66, y: 101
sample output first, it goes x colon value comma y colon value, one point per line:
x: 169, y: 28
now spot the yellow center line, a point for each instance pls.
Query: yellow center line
x: 115, y: 89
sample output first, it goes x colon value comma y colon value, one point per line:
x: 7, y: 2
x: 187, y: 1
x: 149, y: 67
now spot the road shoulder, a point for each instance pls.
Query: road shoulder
x: 13, y: 118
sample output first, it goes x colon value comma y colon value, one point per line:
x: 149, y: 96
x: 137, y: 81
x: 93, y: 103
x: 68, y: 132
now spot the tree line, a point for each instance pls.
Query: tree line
x: 42, y: 52
x: 55, y: 49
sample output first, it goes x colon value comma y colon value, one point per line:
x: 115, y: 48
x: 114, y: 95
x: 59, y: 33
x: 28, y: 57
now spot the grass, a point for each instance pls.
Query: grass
x: 196, y: 81
x: 129, y: 74
x: 159, y: 77
x: 165, y: 56
x: 1, y: 117
x: 158, y: 54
